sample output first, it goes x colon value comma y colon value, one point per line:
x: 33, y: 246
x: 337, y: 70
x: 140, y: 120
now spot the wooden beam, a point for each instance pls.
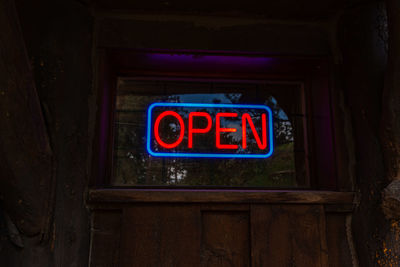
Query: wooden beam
x: 218, y: 196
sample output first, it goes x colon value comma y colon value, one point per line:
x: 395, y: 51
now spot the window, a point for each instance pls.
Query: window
x: 133, y: 165
x: 211, y: 198
x: 296, y: 90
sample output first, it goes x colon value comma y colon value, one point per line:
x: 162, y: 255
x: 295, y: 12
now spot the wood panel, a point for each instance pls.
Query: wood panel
x: 225, y: 239
x: 338, y: 246
x: 288, y: 235
x: 161, y: 236
x: 106, y: 232
x: 189, y: 34
x: 310, y: 10
x: 217, y: 234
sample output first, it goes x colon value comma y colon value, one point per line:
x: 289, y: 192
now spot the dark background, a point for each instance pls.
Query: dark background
x: 48, y: 103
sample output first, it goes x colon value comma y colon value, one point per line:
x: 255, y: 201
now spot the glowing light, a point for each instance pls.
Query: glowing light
x: 267, y: 135
x: 191, y: 130
x: 157, y: 124
x: 261, y: 145
x: 218, y: 130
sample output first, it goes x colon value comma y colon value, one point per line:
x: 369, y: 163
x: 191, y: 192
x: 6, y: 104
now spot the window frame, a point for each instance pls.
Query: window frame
x: 311, y: 72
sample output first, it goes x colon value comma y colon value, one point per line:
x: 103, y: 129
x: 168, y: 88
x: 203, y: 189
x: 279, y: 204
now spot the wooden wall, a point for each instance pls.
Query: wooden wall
x: 290, y: 229
x: 59, y: 48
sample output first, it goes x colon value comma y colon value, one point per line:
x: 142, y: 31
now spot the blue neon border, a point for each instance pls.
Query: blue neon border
x: 210, y: 155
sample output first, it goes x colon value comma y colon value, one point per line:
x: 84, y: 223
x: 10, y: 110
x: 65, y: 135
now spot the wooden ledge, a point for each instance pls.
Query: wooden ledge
x: 218, y: 196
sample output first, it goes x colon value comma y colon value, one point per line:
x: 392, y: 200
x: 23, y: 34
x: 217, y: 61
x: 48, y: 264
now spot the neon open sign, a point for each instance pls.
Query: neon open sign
x: 209, y: 130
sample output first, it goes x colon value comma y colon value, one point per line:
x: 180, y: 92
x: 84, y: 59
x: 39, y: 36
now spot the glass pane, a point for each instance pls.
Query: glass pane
x: 134, y: 166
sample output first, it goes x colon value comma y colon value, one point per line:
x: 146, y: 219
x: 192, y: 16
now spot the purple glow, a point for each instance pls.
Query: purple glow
x: 211, y: 60
x: 183, y: 190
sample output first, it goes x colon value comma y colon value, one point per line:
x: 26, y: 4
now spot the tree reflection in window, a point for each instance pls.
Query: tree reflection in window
x: 133, y: 166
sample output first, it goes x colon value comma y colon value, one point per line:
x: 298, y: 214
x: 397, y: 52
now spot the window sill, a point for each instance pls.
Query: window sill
x: 218, y: 196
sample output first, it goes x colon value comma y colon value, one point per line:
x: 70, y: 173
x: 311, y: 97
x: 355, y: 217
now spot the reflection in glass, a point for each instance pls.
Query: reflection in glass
x: 133, y: 166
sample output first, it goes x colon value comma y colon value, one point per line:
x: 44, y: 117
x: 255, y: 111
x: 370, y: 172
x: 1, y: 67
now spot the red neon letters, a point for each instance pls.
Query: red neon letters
x: 262, y: 144
x: 157, y: 124
x: 218, y: 130
x: 191, y: 130
x: 247, y: 117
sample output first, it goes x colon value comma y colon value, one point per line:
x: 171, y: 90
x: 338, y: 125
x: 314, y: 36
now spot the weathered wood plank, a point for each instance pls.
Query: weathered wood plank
x: 26, y: 157
x: 390, y: 124
x: 287, y: 235
x: 319, y: 211
x: 161, y: 236
x: 338, y: 247
x: 235, y: 196
x: 225, y: 239
x: 116, y: 32
x: 106, y: 234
